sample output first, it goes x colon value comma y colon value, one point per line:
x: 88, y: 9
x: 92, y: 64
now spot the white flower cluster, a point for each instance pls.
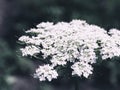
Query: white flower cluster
x: 75, y: 42
x: 46, y: 72
x: 30, y: 50
x: 81, y: 68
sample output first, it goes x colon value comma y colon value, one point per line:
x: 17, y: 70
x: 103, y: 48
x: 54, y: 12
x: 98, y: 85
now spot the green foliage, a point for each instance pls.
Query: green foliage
x: 11, y: 64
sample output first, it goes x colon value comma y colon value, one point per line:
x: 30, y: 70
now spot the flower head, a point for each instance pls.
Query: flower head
x: 76, y: 42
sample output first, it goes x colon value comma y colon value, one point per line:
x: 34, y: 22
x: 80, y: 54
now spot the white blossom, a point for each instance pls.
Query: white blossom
x: 46, y: 72
x: 82, y: 68
x: 76, y: 42
x: 30, y: 50
x: 24, y: 39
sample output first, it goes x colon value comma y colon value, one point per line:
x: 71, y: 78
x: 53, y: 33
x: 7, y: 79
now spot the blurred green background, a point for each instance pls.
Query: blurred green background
x: 16, y: 16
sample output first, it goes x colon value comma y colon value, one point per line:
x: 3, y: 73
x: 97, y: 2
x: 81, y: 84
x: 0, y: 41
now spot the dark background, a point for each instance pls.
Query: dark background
x: 16, y: 16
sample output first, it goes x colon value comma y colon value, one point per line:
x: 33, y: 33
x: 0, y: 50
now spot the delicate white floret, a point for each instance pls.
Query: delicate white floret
x: 82, y: 69
x: 46, y: 72
x: 29, y: 50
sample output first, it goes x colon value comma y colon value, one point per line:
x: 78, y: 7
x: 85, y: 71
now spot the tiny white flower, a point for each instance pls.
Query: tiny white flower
x: 30, y: 50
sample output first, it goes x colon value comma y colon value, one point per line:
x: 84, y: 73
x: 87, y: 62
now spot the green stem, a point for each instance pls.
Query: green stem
x: 76, y: 84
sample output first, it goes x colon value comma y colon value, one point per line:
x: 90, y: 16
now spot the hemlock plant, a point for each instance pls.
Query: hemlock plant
x: 75, y: 44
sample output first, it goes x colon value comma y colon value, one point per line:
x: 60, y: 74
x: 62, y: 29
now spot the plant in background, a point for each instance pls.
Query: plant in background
x: 75, y: 46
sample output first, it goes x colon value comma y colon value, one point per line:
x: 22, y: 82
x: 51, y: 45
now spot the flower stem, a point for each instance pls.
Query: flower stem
x: 76, y: 82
